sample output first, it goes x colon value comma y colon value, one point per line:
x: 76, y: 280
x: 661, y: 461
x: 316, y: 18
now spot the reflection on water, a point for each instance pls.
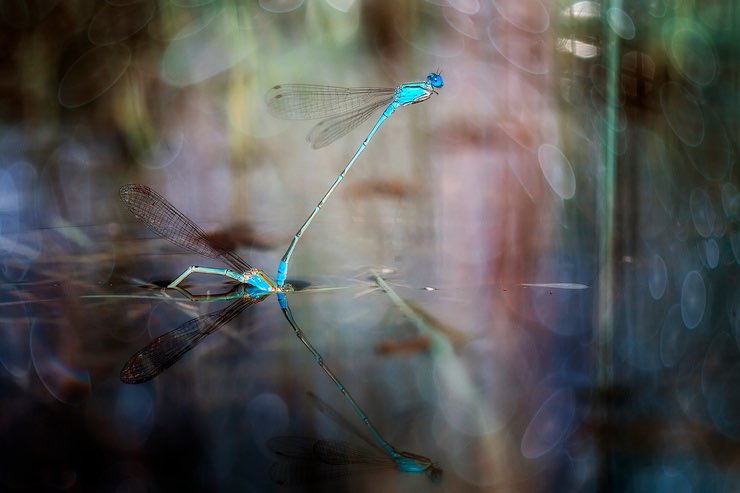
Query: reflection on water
x: 531, y: 279
x: 161, y: 217
x: 306, y: 460
x: 165, y: 350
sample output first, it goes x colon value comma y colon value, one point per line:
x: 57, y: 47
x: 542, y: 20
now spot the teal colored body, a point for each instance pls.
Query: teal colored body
x: 254, y: 286
x: 165, y: 220
x: 255, y: 277
x: 406, y: 461
x: 289, y: 96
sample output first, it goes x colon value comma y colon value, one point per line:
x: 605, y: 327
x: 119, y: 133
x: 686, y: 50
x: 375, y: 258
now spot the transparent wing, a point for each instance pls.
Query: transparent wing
x: 293, y: 447
x: 327, y: 131
x: 167, y: 349
x: 327, y: 410
x: 334, y: 452
x: 164, y: 219
x: 308, y: 460
x: 337, y: 452
x: 311, y: 102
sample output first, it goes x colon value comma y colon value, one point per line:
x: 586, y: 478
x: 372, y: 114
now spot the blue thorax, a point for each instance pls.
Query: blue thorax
x: 416, y: 92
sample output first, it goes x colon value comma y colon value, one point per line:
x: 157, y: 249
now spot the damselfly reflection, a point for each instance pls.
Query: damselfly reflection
x: 314, y: 459
x: 164, y: 219
x: 166, y: 350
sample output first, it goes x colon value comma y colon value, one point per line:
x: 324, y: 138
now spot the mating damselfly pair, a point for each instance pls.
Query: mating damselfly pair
x: 342, y: 109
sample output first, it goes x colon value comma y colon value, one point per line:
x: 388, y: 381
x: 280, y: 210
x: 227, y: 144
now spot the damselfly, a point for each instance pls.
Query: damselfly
x: 342, y: 110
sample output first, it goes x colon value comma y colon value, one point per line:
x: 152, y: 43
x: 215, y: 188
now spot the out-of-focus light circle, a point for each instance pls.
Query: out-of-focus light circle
x: 702, y: 212
x: 690, y: 50
x: 735, y: 245
x: 657, y: 277
x: 656, y: 8
x: 342, y: 5
x: 527, y: 15
x: 557, y: 170
x: 183, y: 23
x: 10, y: 212
x: 550, y: 424
x: 526, y: 51
x: 93, y: 74
x: 582, y: 10
x: 64, y: 383
x: 723, y: 401
x: 711, y: 252
x: 693, y: 299
x: 577, y: 48
x: 621, y: 23
x: 462, y: 23
x: 165, y: 151
x: 730, y: 201
x: 215, y: 48
x: 469, y: 7
x: 280, y: 6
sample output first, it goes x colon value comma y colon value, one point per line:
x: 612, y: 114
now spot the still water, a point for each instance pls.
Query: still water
x: 531, y: 280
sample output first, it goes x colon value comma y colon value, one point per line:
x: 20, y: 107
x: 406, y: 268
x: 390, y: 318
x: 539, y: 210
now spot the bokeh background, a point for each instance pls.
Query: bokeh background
x: 558, y: 228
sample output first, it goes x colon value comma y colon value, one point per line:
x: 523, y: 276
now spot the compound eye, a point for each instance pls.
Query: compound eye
x: 435, y: 80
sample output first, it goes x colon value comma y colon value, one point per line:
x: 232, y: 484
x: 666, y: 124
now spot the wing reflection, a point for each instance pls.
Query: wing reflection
x: 308, y: 460
x: 167, y: 349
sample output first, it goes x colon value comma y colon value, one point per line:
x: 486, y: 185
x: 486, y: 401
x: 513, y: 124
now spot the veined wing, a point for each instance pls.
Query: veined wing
x: 167, y: 349
x: 327, y: 131
x: 334, y: 452
x: 292, y: 447
x: 311, y: 102
x: 327, y: 410
x: 337, y: 452
x: 164, y: 219
x: 309, y: 460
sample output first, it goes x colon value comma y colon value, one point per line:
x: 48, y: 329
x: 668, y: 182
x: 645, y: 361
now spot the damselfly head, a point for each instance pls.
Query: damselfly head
x: 410, y: 462
x: 435, y: 79
x: 434, y: 473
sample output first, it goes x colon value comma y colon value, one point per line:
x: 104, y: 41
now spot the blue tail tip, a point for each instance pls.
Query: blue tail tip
x: 435, y: 79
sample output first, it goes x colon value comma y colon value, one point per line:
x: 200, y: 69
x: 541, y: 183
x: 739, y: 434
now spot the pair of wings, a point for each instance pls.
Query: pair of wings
x: 307, y: 460
x: 341, y: 109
